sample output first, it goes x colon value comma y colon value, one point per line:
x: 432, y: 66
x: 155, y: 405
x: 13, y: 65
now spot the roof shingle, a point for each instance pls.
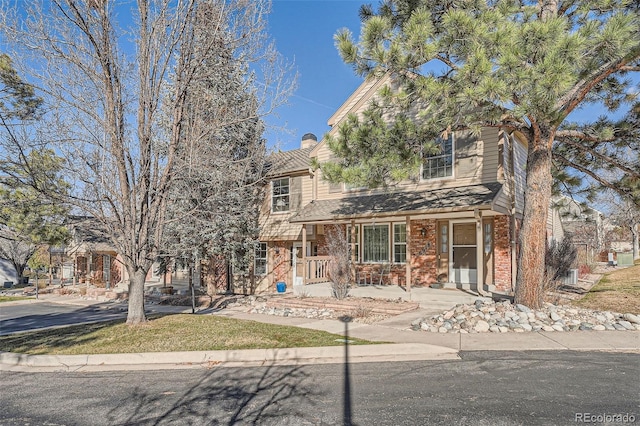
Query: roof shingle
x: 450, y: 199
x: 281, y: 163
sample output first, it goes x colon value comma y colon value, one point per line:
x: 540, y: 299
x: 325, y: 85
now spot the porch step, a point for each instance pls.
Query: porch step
x: 468, y: 287
x: 345, y: 306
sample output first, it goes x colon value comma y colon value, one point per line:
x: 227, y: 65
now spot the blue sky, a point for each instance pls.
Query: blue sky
x: 303, y: 32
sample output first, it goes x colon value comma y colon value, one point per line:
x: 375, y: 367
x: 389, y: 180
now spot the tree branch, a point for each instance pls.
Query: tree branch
x: 573, y: 98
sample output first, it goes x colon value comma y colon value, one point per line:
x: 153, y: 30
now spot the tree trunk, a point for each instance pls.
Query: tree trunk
x: 136, y: 296
x: 531, y: 259
x: 19, y: 267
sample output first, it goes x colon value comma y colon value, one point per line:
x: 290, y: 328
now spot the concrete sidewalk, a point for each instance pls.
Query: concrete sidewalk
x: 397, y: 329
x: 233, y: 358
x: 401, y: 344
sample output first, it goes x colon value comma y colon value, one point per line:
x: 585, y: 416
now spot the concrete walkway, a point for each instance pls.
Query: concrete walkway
x: 401, y: 343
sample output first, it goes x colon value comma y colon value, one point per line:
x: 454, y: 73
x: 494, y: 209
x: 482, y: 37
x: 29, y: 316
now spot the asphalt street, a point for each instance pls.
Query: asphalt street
x: 33, y: 316
x: 484, y: 388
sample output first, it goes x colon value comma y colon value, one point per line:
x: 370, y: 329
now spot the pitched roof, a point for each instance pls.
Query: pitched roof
x: 88, y: 235
x: 450, y: 199
x: 297, y: 160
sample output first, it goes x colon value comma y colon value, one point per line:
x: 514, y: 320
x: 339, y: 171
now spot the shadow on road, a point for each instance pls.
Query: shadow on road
x: 58, y: 316
x: 271, y: 395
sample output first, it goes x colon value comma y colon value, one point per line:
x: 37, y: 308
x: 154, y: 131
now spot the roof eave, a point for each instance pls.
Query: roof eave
x: 347, y: 218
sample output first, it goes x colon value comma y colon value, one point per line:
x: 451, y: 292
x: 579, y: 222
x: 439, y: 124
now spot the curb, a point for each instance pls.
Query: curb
x: 10, y: 361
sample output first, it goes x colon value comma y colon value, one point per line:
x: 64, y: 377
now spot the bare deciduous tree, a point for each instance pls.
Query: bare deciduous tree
x: 624, y: 213
x: 117, y: 95
x: 339, y: 269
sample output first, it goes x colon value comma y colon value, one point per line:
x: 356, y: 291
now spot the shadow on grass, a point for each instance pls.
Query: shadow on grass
x: 48, y: 340
x: 226, y: 396
x: 61, y: 336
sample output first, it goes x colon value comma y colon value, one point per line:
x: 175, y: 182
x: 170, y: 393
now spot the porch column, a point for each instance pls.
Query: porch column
x: 479, y: 253
x: 408, y: 264
x: 89, y: 265
x: 304, y: 253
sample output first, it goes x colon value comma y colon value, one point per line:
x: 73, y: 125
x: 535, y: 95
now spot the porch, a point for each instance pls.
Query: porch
x: 435, y: 299
x: 457, y: 237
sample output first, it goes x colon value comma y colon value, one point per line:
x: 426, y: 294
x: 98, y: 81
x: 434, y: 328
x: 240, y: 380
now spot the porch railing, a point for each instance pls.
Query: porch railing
x: 317, y: 268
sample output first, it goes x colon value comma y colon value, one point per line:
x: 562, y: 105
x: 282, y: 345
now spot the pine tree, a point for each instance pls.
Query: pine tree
x: 28, y: 219
x: 520, y: 65
x: 213, y: 205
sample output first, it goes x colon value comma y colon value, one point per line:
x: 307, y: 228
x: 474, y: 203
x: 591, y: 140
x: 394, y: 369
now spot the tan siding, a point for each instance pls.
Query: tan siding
x: 520, y: 172
x: 295, y: 189
x: 476, y: 162
x: 502, y: 202
x: 307, y: 189
x: 326, y: 191
x: 468, y: 155
x: 276, y: 226
x: 354, y: 102
x: 490, y: 161
x: 554, y: 225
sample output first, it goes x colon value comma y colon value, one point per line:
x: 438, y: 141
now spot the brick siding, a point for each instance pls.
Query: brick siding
x: 502, y: 252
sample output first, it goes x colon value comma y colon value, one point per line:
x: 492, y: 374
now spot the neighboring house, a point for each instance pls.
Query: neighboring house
x: 585, y: 225
x: 90, y: 255
x: 455, y: 223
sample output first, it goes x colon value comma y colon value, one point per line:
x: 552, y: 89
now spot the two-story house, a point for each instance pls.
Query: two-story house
x: 455, y: 223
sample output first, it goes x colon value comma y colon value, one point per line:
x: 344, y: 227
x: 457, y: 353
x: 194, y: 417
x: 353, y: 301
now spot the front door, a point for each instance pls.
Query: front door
x: 443, y: 251
x: 463, y: 250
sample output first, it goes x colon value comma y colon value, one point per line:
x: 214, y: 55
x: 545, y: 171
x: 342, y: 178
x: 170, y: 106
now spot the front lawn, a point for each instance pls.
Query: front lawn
x: 12, y: 298
x: 617, y: 291
x: 168, y: 334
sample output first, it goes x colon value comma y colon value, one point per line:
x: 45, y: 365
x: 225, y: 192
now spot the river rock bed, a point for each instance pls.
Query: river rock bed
x: 358, y: 311
x: 487, y: 316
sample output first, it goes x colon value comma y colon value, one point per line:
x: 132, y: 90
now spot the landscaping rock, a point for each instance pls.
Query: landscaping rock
x: 627, y: 325
x: 481, y: 326
x: 484, y: 316
x: 634, y: 319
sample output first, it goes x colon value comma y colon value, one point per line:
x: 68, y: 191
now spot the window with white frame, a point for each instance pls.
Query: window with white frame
x: 356, y: 230
x: 280, y: 191
x: 400, y: 243
x: 440, y: 163
x: 349, y: 187
x: 260, y: 259
x: 375, y: 243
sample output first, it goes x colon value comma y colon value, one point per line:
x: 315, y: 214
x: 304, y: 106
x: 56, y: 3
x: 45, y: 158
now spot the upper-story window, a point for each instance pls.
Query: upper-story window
x: 280, y: 195
x: 439, y: 164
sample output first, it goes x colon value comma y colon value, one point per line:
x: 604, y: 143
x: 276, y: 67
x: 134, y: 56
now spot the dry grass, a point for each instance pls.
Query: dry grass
x: 167, y: 334
x: 13, y: 298
x: 617, y: 291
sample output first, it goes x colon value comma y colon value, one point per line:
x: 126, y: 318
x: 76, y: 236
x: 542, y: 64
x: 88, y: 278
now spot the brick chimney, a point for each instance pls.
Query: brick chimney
x: 308, y: 140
